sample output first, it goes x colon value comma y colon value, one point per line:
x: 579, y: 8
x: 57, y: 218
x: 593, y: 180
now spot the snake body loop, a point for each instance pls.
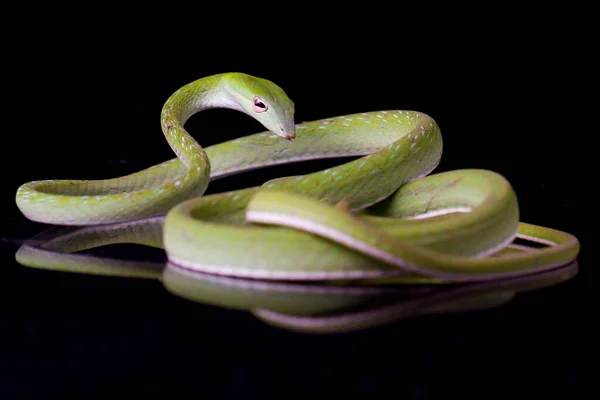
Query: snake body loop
x: 379, y: 216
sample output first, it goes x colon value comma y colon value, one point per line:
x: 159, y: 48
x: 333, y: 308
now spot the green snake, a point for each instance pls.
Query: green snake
x: 380, y: 215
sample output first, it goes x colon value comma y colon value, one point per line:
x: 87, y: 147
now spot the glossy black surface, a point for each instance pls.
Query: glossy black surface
x: 84, y: 90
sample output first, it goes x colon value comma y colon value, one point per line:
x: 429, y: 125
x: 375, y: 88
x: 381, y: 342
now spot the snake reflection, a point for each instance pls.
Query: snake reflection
x: 317, y: 307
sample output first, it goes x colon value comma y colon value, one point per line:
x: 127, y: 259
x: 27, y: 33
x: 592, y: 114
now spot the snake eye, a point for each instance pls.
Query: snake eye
x: 258, y: 105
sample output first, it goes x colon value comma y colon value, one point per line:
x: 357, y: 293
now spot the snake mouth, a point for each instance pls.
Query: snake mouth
x: 289, y: 136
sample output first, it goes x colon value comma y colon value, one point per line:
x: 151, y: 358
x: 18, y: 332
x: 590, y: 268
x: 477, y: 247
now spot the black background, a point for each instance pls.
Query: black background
x: 82, y: 93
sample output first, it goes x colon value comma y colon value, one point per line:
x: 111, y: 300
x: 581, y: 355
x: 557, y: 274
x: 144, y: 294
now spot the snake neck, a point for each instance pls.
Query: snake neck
x: 202, y: 94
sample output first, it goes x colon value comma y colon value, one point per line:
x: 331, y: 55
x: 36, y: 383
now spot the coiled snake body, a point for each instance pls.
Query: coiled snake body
x: 377, y: 216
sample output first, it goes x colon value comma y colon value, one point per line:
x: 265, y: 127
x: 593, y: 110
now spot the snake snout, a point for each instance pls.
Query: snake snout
x: 289, y: 136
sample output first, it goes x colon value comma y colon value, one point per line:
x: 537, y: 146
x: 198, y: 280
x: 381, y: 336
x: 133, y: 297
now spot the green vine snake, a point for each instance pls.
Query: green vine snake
x: 381, y: 215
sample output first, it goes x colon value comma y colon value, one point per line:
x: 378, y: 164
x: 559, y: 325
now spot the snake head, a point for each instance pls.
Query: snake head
x: 264, y: 101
